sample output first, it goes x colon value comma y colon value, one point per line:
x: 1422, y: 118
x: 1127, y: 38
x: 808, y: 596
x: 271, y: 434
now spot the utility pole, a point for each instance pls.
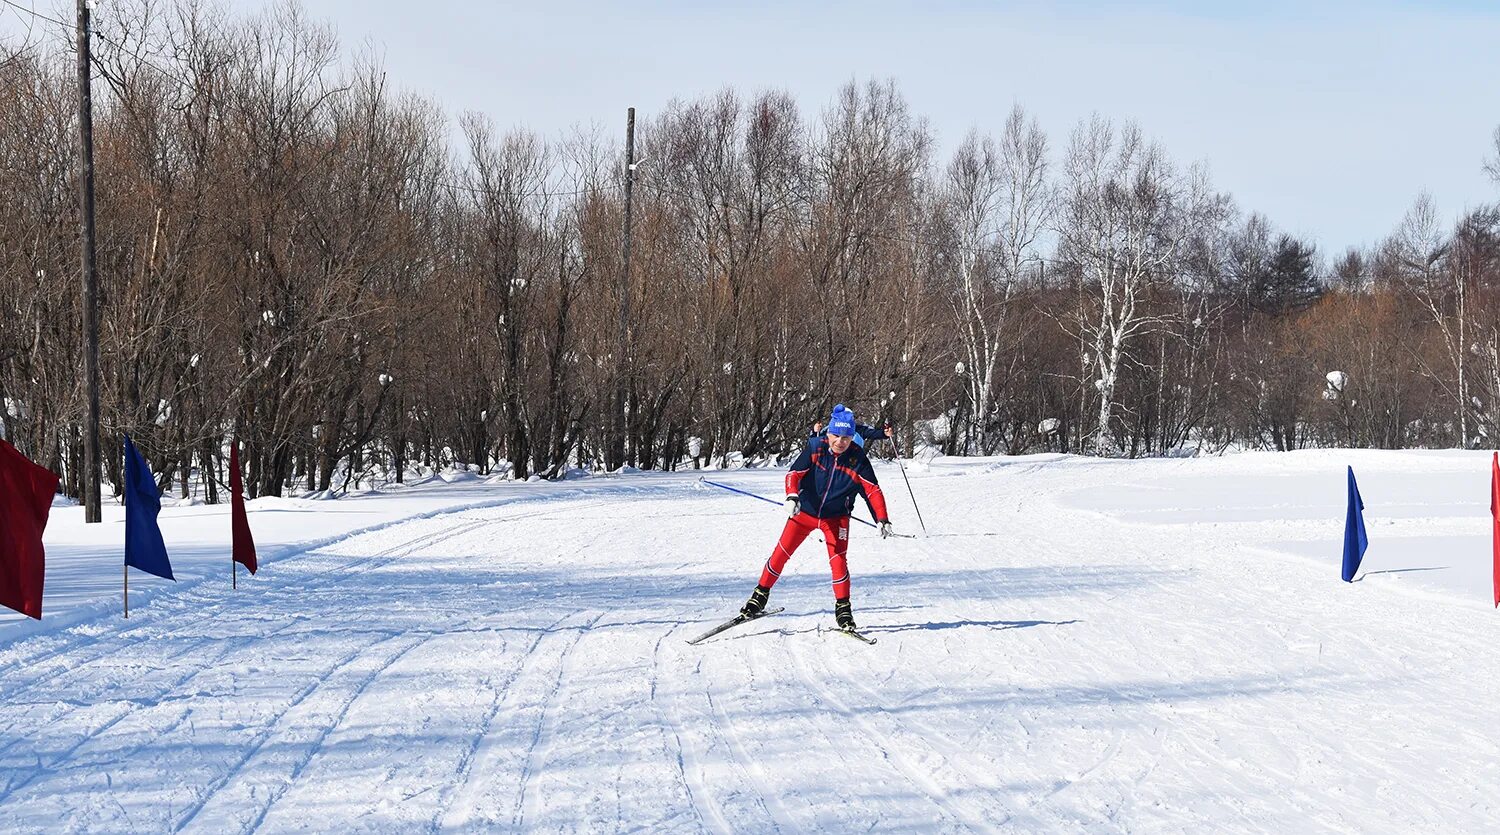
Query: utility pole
x: 622, y: 367
x: 91, y: 512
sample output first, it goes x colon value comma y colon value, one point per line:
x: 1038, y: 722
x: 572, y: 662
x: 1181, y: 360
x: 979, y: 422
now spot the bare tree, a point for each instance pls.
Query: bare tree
x: 866, y: 164
x: 1126, y: 215
x: 1474, y: 264
x: 290, y: 254
x: 1419, y: 254
x: 1492, y: 165
x: 996, y: 198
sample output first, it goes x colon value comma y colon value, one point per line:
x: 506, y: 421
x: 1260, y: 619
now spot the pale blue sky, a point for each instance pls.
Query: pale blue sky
x: 1327, y: 116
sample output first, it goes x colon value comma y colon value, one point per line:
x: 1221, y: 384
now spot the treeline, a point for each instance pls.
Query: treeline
x: 294, y: 253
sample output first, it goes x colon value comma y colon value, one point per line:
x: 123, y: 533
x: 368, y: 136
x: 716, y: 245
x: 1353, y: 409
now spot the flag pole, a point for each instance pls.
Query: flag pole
x: 234, y: 574
x: 1495, y: 520
x: 127, y: 591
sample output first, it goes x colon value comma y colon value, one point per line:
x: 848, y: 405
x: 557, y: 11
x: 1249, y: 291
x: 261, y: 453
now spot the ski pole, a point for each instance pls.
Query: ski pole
x: 778, y: 504
x: 741, y: 492
x: 909, y: 491
x: 764, y: 499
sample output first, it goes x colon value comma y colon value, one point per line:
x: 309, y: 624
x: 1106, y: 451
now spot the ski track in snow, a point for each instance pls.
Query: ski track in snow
x: 855, y: 728
x: 1076, y: 646
x: 766, y: 799
x: 530, y: 804
x: 458, y: 810
x: 109, y: 651
x: 321, y: 716
x: 689, y: 763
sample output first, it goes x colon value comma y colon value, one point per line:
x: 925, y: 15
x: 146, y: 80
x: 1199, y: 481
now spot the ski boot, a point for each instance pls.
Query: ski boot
x: 843, y: 613
x: 757, y: 602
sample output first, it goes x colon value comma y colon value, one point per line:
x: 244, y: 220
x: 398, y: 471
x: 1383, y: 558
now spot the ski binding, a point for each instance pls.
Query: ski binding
x: 855, y: 634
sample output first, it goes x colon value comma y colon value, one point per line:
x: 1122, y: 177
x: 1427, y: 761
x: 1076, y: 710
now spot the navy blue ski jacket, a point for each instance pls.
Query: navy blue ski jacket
x: 826, y: 484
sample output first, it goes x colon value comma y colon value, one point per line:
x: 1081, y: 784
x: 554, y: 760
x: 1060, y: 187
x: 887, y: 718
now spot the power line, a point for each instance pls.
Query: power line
x: 487, y: 192
x: 25, y: 41
x: 101, y: 36
x: 546, y: 194
x: 889, y: 236
x: 925, y: 241
x: 146, y: 62
x: 444, y: 183
x: 34, y: 13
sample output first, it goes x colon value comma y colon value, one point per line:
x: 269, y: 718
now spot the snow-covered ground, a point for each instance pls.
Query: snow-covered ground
x: 1075, y: 645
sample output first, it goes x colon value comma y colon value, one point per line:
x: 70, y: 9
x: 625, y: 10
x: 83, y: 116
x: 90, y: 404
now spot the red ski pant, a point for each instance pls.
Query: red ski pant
x: 835, y: 534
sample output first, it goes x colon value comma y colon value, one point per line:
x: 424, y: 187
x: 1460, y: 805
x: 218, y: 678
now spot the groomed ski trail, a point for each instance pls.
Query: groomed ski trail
x: 1047, y: 662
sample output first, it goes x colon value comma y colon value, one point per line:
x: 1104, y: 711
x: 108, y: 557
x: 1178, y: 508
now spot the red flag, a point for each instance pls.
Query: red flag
x: 25, y: 500
x: 244, y: 545
x: 1495, y: 516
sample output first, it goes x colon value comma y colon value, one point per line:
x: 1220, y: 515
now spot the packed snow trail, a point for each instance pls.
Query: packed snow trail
x: 1079, y: 644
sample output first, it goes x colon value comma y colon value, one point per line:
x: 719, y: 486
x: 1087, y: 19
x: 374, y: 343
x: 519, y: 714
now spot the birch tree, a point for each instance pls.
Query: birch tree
x: 996, y: 198
x: 1419, y: 254
x: 1126, y: 216
x: 1474, y: 265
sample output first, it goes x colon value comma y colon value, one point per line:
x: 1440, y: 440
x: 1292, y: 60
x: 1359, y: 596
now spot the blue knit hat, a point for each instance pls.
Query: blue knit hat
x: 842, y: 422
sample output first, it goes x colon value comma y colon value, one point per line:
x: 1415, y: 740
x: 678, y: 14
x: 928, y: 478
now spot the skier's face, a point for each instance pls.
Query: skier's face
x: 839, y: 443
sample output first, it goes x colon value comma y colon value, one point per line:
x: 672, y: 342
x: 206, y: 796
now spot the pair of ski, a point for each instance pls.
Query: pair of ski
x: 739, y: 619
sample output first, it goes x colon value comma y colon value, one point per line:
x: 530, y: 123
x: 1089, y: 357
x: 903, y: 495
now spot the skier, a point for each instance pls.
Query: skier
x: 820, y: 490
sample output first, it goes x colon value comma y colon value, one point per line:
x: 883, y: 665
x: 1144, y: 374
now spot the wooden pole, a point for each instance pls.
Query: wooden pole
x: 91, y: 500
x: 621, y: 426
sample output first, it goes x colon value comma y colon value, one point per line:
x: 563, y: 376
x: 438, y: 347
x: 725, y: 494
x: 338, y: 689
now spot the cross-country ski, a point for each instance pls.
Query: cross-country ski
x: 733, y: 622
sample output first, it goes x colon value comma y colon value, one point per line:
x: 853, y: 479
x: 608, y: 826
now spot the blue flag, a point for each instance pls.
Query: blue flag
x: 144, y: 548
x: 1355, y: 541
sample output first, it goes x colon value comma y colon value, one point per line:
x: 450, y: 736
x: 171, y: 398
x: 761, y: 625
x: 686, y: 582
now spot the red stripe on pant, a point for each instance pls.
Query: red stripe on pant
x: 835, y: 535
